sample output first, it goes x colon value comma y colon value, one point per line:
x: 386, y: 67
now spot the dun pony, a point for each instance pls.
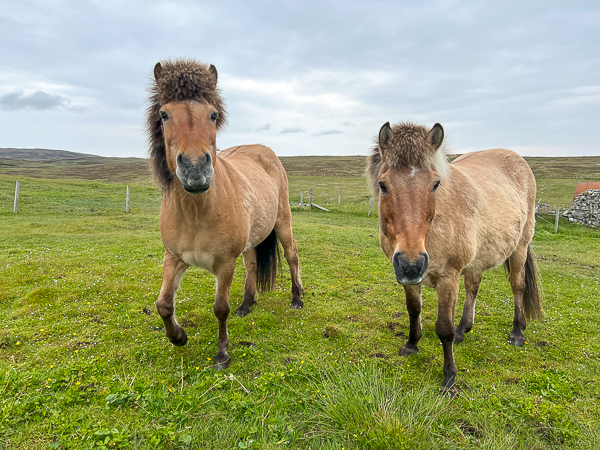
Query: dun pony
x: 215, y: 206
x: 439, y: 221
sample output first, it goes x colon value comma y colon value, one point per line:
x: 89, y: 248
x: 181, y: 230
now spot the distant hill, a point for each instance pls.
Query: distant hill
x: 42, y: 163
x: 36, y: 154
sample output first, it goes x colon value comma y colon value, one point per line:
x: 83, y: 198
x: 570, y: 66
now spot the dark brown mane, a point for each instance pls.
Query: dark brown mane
x: 409, y: 147
x: 181, y: 79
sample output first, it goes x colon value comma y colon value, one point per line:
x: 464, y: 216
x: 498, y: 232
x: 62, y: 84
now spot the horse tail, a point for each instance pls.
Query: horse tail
x: 532, y: 302
x: 267, y: 260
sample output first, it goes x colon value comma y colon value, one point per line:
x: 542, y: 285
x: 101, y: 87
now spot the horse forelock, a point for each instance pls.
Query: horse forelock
x: 408, y: 147
x: 180, y: 80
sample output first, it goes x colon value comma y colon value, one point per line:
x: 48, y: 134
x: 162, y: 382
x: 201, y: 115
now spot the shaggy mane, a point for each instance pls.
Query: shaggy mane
x: 409, y: 147
x: 181, y: 79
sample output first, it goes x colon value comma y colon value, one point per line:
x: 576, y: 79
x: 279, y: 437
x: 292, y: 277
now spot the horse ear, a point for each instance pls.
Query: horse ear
x: 212, y: 69
x: 157, y: 71
x: 436, y: 136
x: 385, y: 136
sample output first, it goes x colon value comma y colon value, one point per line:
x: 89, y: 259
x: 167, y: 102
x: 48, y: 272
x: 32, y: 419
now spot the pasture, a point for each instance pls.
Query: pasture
x: 84, y: 362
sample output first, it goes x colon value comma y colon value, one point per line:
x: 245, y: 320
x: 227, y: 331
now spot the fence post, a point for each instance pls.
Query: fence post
x: 339, y: 198
x: 301, y: 199
x: 371, y: 201
x: 310, y: 198
x: 127, y: 201
x: 556, y: 221
x: 17, y: 187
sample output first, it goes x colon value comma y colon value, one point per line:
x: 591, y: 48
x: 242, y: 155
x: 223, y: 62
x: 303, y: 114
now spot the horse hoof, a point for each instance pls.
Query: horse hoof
x: 297, y: 304
x: 517, y: 342
x: 459, y: 338
x: 450, y: 391
x: 180, y: 340
x: 242, y: 312
x: 222, y: 361
x: 408, y: 350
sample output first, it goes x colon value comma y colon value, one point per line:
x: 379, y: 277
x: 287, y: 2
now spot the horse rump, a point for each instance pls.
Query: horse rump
x: 268, y: 259
x: 532, y: 303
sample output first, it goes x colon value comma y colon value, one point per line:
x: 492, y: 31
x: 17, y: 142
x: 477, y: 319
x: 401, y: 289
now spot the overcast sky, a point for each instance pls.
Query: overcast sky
x: 308, y: 78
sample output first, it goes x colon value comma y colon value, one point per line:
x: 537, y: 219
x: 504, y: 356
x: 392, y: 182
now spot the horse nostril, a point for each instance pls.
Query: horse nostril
x: 182, y: 162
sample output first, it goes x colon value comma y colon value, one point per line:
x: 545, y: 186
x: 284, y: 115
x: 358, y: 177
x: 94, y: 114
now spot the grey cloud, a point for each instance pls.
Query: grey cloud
x: 38, y: 100
x: 348, y: 124
x: 292, y: 130
x: 328, y: 132
x: 265, y: 127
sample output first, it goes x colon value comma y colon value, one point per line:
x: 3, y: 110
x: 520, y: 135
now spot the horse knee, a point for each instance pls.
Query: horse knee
x: 164, y: 308
x: 445, y: 330
x: 221, y: 311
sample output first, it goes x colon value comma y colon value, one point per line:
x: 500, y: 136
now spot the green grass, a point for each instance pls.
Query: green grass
x: 84, y: 362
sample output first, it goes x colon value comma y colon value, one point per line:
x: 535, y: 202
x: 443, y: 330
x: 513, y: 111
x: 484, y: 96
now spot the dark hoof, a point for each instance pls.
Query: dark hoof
x: 408, y: 350
x: 451, y: 391
x: 516, y: 341
x: 458, y: 338
x: 296, y: 304
x: 242, y: 312
x: 181, y: 338
x: 222, y: 361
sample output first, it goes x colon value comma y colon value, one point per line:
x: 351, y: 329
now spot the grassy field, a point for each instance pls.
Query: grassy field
x: 84, y: 362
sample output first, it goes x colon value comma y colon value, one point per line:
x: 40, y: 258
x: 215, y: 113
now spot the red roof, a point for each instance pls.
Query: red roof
x: 583, y: 186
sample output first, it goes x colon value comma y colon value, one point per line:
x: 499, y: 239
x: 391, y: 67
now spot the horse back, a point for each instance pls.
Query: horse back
x: 483, y: 211
x: 256, y: 158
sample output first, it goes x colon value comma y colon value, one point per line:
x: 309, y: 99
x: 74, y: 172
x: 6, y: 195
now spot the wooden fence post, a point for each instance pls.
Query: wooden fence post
x: 17, y: 187
x: 556, y: 221
x: 127, y: 201
x: 371, y: 201
x: 301, y: 199
x: 339, y: 198
x: 310, y: 198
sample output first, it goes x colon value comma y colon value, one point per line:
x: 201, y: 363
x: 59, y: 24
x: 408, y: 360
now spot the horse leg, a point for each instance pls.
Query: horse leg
x: 516, y: 263
x: 413, y: 306
x: 290, y: 251
x: 221, y: 309
x: 468, y: 315
x: 447, y: 289
x: 250, y: 288
x: 173, y: 269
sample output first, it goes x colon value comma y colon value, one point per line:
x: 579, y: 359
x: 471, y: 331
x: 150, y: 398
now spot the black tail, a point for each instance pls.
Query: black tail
x: 267, y: 261
x: 532, y: 302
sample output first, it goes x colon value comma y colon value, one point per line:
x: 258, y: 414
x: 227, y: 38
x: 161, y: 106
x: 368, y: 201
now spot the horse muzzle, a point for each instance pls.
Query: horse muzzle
x: 407, y: 271
x: 195, y: 174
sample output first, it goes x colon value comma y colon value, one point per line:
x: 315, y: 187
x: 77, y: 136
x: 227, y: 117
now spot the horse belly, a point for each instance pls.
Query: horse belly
x: 204, y: 260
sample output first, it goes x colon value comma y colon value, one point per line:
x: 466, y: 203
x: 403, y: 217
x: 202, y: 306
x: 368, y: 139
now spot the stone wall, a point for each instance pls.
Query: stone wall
x: 585, y: 209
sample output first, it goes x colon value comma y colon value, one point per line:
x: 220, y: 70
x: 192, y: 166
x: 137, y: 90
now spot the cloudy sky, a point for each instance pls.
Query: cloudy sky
x: 308, y: 78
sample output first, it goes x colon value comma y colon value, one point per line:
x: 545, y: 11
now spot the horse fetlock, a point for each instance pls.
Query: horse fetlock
x: 164, y: 310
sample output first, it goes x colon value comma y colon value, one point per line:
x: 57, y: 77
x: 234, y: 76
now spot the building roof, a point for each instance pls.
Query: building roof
x: 583, y: 186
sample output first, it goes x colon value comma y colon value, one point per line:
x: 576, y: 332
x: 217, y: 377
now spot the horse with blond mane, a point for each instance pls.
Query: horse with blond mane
x: 439, y: 221
x: 215, y: 206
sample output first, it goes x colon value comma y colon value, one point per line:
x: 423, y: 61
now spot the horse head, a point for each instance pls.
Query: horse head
x: 183, y: 120
x: 406, y: 169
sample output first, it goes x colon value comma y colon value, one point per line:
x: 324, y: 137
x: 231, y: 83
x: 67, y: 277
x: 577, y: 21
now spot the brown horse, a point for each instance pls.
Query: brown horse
x: 215, y: 206
x: 439, y: 221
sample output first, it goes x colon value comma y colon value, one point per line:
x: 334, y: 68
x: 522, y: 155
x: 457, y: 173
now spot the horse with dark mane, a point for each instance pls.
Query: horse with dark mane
x: 215, y: 206
x: 439, y: 221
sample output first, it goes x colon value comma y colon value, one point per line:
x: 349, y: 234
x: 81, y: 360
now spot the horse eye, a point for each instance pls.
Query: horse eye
x: 436, y: 185
x: 164, y: 116
x: 214, y: 117
x: 383, y: 187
